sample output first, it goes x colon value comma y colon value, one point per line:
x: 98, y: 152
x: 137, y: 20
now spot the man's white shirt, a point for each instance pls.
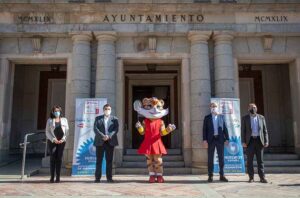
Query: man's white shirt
x: 106, y: 118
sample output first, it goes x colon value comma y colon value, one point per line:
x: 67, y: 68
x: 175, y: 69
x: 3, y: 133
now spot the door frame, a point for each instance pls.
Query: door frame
x: 148, y: 80
x: 256, y: 75
x: 43, y: 94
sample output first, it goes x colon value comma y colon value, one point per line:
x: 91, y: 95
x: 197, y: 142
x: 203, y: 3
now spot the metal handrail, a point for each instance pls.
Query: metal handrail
x: 24, y: 146
x: 46, y: 148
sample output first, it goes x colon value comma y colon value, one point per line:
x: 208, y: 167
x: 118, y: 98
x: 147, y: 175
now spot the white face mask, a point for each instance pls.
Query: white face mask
x: 214, y: 110
x: 107, y: 112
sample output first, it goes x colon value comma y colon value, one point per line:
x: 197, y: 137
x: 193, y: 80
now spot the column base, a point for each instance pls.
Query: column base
x: 187, y: 156
x: 199, y: 168
x: 199, y: 171
x: 46, y: 162
x: 297, y: 151
x: 118, y: 157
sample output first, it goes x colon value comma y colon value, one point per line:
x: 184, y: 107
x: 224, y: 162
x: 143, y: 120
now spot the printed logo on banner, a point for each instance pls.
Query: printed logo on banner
x: 80, y: 125
x: 226, y: 107
x: 92, y: 107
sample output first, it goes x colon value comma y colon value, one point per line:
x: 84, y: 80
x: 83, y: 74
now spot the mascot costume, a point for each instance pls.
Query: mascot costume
x: 153, y: 128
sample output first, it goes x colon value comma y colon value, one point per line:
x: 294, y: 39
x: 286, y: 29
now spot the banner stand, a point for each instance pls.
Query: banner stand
x: 234, y: 163
x: 84, y: 154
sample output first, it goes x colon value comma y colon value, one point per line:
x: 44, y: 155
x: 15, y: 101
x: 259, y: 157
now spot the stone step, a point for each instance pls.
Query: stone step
x: 143, y: 171
x: 141, y: 158
x: 144, y: 165
x: 278, y: 163
x: 169, y: 151
x: 275, y: 157
x: 13, y: 170
x: 46, y: 171
x: 277, y: 169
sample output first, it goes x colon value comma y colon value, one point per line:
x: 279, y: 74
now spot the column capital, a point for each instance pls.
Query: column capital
x: 199, y: 36
x: 110, y: 36
x: 84, y: 36
x: 223, y: 36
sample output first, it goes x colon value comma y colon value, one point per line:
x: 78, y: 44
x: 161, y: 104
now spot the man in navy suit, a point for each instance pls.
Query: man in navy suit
x: 215, y: 134
x: 106, y: 128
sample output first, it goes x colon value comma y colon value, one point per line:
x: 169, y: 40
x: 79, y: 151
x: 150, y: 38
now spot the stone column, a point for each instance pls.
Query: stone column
x: 6, y: 94
x: 185, y: 109
x: 200, y: 95
x: 78, y: 82
x: 106, y: 78
x: 120, y: 86
x: 294, y: 70
x: 225, y: 77
x: 106, y: 67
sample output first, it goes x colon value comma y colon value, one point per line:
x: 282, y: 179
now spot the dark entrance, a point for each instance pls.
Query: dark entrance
x: 140, y: 92
x: 270, y: 85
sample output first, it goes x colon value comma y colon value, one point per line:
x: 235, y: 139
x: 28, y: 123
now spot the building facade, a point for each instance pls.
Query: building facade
x: 184, y: 52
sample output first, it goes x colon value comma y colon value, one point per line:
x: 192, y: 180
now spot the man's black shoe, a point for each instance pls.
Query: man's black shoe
x: 251, y: 180
x: 210, y: 179
x: 97, y: 181
x: 223, y: 178
x: 263, y: 180
x: 110, y: 181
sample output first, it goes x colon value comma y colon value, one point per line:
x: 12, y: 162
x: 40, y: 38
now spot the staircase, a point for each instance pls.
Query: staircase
x: 136, y: 164
x: 174, y: 163
x: 280, y: 163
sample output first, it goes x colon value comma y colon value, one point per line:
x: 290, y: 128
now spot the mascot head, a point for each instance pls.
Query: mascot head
x: 151, y: 108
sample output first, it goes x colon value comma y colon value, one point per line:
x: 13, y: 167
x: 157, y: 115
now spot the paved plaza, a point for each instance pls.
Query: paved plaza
x: 280, y: 185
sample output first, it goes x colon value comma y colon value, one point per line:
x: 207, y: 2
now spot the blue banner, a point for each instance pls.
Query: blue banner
x: 233, y: 152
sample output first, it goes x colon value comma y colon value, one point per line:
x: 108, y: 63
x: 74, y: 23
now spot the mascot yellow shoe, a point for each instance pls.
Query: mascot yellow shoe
x: 153, y: 127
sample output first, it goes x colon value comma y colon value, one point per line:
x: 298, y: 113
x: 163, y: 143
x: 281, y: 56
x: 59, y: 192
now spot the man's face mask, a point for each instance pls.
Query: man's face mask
x: 107, y: 111
x: 214, y: 110
x: 253, y: 110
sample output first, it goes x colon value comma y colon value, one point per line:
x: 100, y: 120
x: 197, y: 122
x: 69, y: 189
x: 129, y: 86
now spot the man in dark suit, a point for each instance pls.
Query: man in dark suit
x: 215, y: 133
x: 106, y: 128
x: 255, y: 138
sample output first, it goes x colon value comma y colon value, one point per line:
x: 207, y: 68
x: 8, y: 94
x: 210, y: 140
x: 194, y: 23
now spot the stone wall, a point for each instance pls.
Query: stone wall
x: 13, y: 45
x: 170, y: 44
x: 149, y: 1
x: 94, y: 49
x: 254, y: 46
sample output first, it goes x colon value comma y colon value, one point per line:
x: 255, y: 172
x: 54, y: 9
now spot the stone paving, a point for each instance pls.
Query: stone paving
x: 280, y: 185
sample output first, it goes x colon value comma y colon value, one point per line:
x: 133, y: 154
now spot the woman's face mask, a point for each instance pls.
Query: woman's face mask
x: 56, y: 114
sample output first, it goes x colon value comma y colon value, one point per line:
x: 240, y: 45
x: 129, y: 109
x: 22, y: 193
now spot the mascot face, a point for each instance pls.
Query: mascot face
x: 151, y: 108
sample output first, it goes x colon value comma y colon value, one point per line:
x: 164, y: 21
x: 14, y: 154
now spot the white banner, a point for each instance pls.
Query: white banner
x: 233, y: 153
x: 84, y: 155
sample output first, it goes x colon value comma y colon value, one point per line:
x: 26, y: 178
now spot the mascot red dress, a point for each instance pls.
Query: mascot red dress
x: 153, y: 128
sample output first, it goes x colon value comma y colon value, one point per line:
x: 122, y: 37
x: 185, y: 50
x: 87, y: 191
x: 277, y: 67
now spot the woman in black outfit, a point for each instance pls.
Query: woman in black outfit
x: 56, y: 131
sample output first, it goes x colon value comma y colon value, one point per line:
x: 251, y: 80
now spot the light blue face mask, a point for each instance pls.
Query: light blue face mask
x: 57, y: 114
